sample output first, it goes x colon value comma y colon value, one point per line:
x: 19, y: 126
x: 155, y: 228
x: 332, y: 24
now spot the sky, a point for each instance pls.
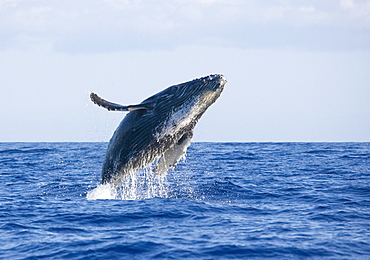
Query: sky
x: 297, y: 70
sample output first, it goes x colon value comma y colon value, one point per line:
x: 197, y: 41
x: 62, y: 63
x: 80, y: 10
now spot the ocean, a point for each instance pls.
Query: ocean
x: 224, y: 201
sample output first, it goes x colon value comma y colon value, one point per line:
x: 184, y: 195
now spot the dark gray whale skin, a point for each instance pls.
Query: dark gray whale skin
x: 161, y: 126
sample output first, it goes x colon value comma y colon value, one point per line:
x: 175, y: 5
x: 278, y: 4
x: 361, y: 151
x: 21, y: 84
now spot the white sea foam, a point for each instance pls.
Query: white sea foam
x: 102, y: 192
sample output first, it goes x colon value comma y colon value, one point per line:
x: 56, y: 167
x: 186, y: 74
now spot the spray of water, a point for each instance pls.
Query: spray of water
x: 143, y: 184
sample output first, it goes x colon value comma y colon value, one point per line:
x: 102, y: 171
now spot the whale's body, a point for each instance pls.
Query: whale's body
x: 160, y: 127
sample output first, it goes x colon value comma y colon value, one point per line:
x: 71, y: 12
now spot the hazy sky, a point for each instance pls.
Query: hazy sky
x: 297, y: 70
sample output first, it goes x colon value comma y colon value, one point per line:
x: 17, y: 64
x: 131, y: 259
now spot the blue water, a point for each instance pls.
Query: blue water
x: 225, y: 201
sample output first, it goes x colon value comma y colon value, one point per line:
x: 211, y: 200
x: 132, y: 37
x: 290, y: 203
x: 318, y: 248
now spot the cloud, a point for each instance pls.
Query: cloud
x: 113, y: 25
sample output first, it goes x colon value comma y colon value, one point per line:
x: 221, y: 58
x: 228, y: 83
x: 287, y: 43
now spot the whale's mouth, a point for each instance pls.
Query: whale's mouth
x: 222, y: 80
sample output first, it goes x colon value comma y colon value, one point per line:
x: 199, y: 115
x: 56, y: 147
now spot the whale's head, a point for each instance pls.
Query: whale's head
x: 200, y: 93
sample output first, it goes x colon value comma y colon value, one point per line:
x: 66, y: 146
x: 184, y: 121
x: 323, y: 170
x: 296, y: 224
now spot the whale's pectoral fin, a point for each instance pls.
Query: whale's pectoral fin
x: 117, y: 107
x: 170, y: 157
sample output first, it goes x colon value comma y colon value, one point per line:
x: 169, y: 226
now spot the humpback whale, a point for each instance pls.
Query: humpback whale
x: 159, y: 128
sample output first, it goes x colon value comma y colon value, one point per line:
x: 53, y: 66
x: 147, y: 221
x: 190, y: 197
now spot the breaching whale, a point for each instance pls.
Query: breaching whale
x: 160, y: 127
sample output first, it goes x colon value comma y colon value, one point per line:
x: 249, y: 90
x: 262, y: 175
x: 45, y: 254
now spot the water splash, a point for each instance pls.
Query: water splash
x: 143, y: 184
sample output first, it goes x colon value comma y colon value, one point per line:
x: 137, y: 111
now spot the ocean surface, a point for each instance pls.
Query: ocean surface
x: 225, y: 201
